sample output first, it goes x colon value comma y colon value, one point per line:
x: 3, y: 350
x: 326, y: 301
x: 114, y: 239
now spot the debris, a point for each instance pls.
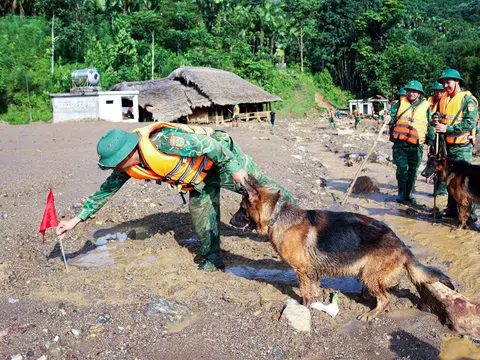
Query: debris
x: 12, y: 300
x: 331, y: 309
x: 345, y: 131
x: 104, y: 319
x: 76, y: 332
x: 298, y: 316
x: 302, y: 148
x: 15, y: 328
x: 298, y: 157
x: 172, y: 310
x: 15, y: 357
x: 365, y: 184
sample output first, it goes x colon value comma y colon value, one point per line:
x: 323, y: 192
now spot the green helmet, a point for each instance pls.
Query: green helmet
x: 414, y: 85
x: 401, y: 92
x: 451, y: 74
x: 235, y: 103
x: 115, y: 146
x: 437, y: 86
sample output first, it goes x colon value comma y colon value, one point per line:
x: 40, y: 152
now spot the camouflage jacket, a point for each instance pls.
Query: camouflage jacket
x: 175, y: 142
x: 470, y: 116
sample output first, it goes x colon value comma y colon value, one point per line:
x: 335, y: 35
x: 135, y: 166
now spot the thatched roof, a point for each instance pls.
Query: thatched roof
x: 167, y: 99
x: 222, y: 87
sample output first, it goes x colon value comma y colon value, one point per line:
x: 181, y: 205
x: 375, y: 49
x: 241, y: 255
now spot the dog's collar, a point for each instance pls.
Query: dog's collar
x: 276, y: 212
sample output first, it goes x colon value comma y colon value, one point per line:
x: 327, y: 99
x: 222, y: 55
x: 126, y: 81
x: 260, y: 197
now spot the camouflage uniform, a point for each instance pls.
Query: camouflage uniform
x: 407, y: 156
x: 204, y: 201
x: 462, y: 152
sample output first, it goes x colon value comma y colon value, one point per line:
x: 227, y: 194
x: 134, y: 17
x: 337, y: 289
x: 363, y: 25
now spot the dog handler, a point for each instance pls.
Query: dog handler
x: 191, y: 158
x: 458, y: 112
x: 410, y: 128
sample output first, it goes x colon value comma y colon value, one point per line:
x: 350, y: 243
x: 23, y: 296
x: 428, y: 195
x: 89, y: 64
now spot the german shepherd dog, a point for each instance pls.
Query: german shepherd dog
x: 462, y: 178
x: 318, y: 243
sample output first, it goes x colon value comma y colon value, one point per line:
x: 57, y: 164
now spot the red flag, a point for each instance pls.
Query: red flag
x: 49, y: 216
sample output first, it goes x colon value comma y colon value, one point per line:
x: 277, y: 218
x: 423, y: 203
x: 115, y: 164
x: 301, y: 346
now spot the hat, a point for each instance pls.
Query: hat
x: 437, y: 86
x: 115, y: 146
x: 414, y: 85
x: 451, y: 74
x: 401, y: 92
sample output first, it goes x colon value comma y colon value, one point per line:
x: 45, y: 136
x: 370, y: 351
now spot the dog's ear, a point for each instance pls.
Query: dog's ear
x: 251, y: 191
x: 253, y: 182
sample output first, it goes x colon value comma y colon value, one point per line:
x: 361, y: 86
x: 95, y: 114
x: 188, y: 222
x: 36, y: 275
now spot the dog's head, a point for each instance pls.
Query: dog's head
x: 436, y: 165
x: 257, y: 206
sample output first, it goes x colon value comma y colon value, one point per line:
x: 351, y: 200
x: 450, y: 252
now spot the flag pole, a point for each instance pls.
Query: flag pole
x: 59, y: 240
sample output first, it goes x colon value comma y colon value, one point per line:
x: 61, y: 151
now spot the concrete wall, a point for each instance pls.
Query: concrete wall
x: 102, y: 105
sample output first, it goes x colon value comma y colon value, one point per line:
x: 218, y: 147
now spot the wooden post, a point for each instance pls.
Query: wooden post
x: 258, y: 114
x: 153, y: 54
x: 216, y: 115
x: 53, y: 44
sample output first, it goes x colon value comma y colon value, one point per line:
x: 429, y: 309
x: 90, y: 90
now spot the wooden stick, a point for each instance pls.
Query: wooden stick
x: 435, y: 185
x: 349, y: 191
x: 63, y: 252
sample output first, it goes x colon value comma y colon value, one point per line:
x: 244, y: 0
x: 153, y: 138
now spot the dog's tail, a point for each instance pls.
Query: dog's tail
x: 421, y: 274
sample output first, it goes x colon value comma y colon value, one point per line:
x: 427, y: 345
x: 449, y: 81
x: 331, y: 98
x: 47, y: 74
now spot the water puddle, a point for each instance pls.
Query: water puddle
x: 107, y: 242
x: 345, y: 285
x: 459, y: 349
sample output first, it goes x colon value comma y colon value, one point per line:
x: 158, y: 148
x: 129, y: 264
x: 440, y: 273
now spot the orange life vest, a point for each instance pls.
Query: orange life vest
x: 433, y: 105
x: 182, y: 171
x: 356, y: 113
x: 411, y: 125
x: 449, y: 109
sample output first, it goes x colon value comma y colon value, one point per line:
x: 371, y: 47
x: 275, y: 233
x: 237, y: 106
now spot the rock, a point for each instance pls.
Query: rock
x: 172, y: 310
x: 29, y: 353
x: 302, y: 148
x: 365, y: 184
x: 43, y: 357
x: 323, y: 182
x: 298, y: 157
x: 15, y: 357
x: 298, y: 316
x: 12, y: 300
x: 264, y: 138
x: 76, y: 332
x: 278, y: 352
x: 104, y: 319
x: 314, y: 191
x: 4, y: 216
x: 380, y: 159
x: 345, y: 131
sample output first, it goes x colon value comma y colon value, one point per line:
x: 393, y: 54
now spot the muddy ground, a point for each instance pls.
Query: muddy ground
x: 98, y: 309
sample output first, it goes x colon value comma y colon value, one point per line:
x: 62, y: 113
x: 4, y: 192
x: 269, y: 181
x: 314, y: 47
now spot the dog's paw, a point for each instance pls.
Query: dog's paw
x: 365, y: 317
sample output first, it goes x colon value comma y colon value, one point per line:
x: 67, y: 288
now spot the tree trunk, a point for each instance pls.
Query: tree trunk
x: 53, y: 44
x: 153, y: 54
x: 301, y: 46
x: 272, y: 44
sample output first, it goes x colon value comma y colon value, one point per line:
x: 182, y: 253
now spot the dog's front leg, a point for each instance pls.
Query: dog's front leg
x: 464, y: 209
x: 305, y: 287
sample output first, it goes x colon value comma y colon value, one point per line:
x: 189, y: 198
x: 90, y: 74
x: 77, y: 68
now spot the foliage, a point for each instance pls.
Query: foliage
x: 366, y: 47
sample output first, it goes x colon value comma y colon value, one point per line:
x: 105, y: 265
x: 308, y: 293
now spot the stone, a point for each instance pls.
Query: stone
x: 12, y: 300
x: 104, y: 319
x: 15, y: 357
x: 76, y: 332
x: 345, y: 131
x: 298, y: 157
x: 298, y: 316
x: 43, y: 357
x: 365, y: 184
x: 302, y: 148
x: 278, y: 352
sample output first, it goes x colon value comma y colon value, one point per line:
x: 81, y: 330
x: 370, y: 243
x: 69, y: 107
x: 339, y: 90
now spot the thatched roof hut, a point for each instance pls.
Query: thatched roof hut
x: 222, y: 87
x: 200, y: 94
x: 167, y: 100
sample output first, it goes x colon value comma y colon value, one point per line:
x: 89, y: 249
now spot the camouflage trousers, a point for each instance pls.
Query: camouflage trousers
x: 407, y: 157
x: 460, y: 152
x: 204, y: 204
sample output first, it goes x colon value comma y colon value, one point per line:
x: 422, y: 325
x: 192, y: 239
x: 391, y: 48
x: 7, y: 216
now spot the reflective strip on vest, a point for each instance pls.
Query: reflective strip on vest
x: 412, y: 125
x: 449, y: 107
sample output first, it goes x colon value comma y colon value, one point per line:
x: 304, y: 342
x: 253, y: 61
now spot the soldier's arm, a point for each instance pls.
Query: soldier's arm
x: 95, y: 201
x: 177, y: 142
x: 393, y: 114
x: 470, y: 111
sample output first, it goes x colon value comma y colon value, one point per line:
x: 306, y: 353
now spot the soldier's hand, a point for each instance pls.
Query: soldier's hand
x: 240, y: 177
x: 66, y: 225
x: 440, y: 128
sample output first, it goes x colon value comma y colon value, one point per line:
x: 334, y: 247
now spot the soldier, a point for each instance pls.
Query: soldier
x: 410, y: 128
x: 331, y: 117
x: 236, y: 114
x: 434, y: 100
x: 191, y: 158
x: 356, y: 115
x: 458, y: 112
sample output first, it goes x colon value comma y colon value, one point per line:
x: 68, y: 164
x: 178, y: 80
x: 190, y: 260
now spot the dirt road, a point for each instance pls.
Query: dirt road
x: 100, y: 309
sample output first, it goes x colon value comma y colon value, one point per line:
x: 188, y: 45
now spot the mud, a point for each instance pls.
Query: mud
x: 149, y: 252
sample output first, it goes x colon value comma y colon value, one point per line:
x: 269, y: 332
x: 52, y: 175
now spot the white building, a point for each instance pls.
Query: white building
x: 365, y: 107
x: 118, y: 106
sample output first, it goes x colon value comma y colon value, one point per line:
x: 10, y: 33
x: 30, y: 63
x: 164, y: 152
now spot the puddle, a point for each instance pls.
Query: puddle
x: 100, y: 257
x: 119, y: 233
x: 459, y: 349
x: 345, y: 285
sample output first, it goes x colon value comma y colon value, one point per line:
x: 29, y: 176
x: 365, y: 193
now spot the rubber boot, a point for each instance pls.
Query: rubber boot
x: 410, y: 190
x: 442, y: 188
x: 451, y: 211
x: 212, y: 262
x: 402, y: 191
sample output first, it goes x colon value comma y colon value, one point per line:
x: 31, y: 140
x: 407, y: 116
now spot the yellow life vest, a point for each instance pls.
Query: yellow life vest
x: 449, y: 108
x: 411, y: 125
x: 433, y: 105
x: 182, y: 171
